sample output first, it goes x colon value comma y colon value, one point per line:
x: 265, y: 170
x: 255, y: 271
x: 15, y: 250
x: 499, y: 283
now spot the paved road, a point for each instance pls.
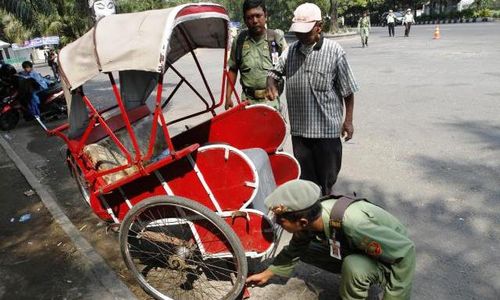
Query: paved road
x: 426, y: 147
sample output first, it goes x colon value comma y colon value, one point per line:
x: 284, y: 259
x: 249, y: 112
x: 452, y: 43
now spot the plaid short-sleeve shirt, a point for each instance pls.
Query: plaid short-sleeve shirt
x: 316, y: 84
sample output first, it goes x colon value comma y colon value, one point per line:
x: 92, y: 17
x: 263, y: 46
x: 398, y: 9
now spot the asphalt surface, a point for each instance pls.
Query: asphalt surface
x: 426, y: 147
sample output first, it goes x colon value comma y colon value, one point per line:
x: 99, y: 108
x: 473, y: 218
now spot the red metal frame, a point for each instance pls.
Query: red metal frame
x: 205, y: 175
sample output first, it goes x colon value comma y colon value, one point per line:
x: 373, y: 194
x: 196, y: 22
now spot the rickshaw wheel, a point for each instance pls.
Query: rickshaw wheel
x: 178, y: 249
x: 76, y: 172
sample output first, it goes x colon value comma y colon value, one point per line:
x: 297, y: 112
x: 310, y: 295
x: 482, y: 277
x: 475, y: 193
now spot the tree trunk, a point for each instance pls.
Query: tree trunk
x: 334, y: 24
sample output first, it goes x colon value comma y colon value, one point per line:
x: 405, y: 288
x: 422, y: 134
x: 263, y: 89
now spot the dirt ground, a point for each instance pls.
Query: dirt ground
x: 37, y: 258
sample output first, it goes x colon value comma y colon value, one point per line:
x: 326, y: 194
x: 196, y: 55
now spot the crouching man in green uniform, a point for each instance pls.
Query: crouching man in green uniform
x: 253, y: 53
x: 353, y: 237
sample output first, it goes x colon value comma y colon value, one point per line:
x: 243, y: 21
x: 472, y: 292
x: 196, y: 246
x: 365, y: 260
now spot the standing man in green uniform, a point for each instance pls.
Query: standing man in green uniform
x: 364, y: 28
x: 361, y: 241
x: 253, y: 53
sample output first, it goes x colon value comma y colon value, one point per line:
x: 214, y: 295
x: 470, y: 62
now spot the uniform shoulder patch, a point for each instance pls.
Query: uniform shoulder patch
x: 373, y: 249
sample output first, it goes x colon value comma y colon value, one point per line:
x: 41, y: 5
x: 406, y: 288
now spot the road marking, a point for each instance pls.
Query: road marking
x: 103, y: 273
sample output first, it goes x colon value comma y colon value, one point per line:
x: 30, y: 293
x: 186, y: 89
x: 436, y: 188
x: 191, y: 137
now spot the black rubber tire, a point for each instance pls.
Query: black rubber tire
x: 77, y: 174
x: 231, y: 238
x: 9, y: 120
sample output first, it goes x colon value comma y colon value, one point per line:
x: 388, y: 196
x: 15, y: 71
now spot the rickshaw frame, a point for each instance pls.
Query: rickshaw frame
x: 185, y: 155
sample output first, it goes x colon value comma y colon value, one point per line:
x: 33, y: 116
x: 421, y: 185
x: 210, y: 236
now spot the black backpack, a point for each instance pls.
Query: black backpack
x: 271, y: 35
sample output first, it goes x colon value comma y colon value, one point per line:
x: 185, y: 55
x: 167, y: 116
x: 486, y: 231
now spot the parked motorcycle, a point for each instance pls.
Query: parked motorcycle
x: 15, y: 95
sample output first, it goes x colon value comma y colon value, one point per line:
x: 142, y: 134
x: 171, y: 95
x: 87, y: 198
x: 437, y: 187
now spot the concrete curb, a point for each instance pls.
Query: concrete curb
x: 100, y: 269
x: 449, y: 22
x: 456, y: 21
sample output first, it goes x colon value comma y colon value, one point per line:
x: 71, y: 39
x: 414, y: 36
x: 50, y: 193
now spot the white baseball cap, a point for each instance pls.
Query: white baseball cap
x: 305, y: 17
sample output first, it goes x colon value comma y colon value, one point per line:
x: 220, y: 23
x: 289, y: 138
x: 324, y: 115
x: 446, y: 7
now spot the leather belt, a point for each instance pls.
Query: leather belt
x: 253, y: 93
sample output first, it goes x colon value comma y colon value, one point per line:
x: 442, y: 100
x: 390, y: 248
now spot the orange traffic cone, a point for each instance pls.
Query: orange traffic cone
x: 437, y: 35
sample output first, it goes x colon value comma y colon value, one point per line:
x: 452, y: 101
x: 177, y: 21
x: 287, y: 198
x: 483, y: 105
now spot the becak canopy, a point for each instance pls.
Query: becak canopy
x: 140, y: 46
x: 143, y: 41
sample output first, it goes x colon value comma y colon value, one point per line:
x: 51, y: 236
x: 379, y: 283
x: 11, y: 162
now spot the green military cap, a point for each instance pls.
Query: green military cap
x: 294, y: 195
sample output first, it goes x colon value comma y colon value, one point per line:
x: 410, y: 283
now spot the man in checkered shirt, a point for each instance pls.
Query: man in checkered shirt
x: 319, y: 83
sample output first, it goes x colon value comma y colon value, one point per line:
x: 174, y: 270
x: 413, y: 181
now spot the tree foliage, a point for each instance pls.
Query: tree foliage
x: 24, y: 19
x: 12, y: 29
x: 25, y: 10
x: 127, y: 6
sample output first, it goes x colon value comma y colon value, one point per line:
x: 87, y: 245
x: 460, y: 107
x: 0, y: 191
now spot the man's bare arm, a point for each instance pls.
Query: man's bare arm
x: 232, y: 76
x: 347, y: 127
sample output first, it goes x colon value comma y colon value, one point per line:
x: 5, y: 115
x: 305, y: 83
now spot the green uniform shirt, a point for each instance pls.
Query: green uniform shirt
x: 371, y: 231
x: 255, y: 61
x: 364, y: 22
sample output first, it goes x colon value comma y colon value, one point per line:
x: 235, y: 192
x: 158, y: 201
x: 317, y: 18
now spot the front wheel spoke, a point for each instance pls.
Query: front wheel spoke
x: 209, y: 267
x: 164, y: 240
x: 155, y: 258
x: 203, y: 264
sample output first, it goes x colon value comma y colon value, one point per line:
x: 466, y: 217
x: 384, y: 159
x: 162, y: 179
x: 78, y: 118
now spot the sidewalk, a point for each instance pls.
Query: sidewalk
x: 37, y: 258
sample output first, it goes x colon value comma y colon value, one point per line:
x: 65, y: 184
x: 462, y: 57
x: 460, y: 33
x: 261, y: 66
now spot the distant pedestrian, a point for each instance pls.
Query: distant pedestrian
x: 341, y: 21
x: 364, y: 28
x: 391, y: 19
x: 407, y: 21
x: 53, y: 64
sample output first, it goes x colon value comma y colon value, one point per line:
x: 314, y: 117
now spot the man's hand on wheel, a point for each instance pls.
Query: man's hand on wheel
x: 260, y: 278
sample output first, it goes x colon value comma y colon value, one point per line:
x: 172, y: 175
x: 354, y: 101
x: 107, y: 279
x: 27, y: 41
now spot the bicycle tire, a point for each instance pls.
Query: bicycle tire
x: 153, y: 203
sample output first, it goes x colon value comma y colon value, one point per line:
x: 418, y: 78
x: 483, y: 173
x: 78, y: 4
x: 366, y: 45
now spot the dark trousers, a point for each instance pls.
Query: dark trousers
x: 53, y: 66
x: 407, y: 29
x: 320, y: 160
x: 318, y: 255
x: 391, y: 28
x: 361, y: 276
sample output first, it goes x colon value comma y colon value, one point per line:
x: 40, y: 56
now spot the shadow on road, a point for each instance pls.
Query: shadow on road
x: 456, y: 237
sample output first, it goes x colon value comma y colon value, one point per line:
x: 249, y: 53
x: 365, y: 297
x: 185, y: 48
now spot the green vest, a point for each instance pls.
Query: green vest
x: 255, y: 61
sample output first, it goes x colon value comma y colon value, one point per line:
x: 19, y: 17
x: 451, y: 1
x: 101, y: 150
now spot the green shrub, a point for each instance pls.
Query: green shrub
x: 467, y: 13
x: 453, y: 15
x: 484, y: 13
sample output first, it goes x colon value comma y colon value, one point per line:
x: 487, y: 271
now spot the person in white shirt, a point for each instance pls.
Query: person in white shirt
x: 407, y: 21
x: 391, y: 19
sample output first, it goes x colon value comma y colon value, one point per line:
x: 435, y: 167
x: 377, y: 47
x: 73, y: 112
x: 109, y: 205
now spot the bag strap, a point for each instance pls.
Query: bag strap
x: 239, y: 47
x: 338, y: 210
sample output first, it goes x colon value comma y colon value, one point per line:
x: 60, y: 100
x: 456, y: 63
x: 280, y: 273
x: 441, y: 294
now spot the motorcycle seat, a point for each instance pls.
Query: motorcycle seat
x: 53, y: 88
